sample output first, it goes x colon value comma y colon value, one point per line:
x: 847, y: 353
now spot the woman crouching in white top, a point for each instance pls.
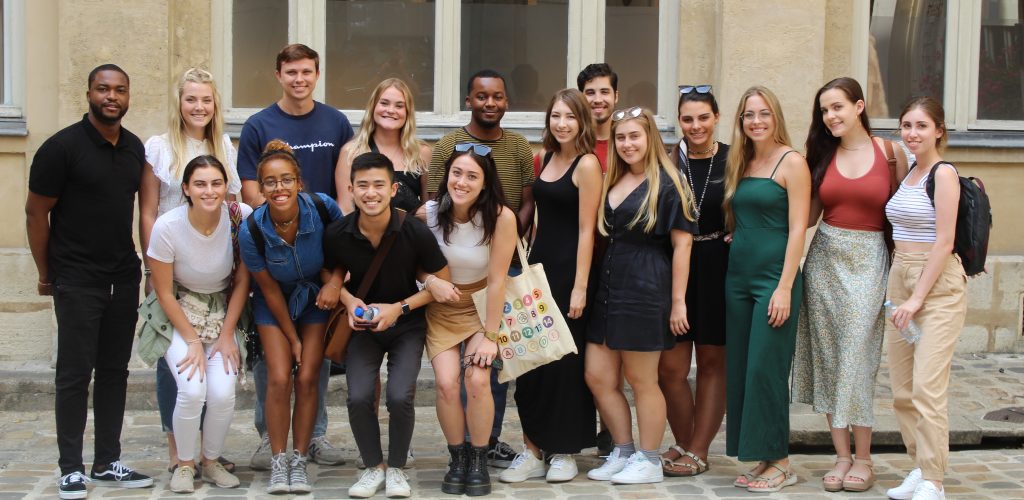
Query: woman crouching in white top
x: 192, y: 259
x: 477, y: 233
x: 927, y: 282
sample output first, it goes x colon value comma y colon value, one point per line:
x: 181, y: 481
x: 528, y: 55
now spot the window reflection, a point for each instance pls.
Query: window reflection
x: 259, y: 31
x: 631, y: 48
x: 1000, y: 71
x: 907, y: 53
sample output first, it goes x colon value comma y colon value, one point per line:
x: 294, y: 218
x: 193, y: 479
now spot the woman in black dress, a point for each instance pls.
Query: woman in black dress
x: 555, y: 407
x: 641, y: 292
x: 695, y: 420
x: 389, y: 128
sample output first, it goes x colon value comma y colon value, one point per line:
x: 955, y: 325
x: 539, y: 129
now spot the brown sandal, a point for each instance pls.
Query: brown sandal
x: 833, y: 480
x: 670, y: 468
x: 866, y: 481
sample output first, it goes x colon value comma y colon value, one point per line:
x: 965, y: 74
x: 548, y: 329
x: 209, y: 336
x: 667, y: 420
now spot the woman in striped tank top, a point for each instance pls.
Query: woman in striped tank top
x: 927, y: 282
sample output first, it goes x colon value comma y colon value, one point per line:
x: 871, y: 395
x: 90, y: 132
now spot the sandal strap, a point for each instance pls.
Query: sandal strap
x: 783, y: 473
x: 678, y: 449
x: 865, y: 462
x: 701, y: 465
x: 845, y: 460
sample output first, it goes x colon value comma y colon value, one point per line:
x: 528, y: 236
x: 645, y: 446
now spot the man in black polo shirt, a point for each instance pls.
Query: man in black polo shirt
x: 79, y: 210
x: 398, y: 331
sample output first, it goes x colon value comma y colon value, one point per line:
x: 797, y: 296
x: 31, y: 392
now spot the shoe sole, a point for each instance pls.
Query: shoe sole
x: 478, y: 490
x: 301, y: 490
x: 453, y: 488
x: 277, y: 489
x: 220, y: 485
x: 399, y: 494
x: 139, y: 483
x: 638, y: 481
x: 560, y: 479
x: 73, y: 495
x: 774, y: 489
x: 532, y: 475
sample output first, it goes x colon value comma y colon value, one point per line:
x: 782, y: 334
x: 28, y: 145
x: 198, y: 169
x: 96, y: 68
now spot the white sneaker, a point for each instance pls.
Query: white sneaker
x: 397, y: 484
x: 524, y: 466
x: 905, y: 491
x: 368, y: 483
x: 928, y: 491
x: 612, y: 465
x: 563, y: 468
x: 639, y: 470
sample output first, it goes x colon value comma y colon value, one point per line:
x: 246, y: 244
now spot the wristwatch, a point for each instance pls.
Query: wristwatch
x: 492, y: 336
x: 405, y: 308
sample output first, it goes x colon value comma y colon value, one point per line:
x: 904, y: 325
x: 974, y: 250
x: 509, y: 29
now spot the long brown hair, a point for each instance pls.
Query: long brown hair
x: 577, y: 104
x: 821, y: 144
x: 655, y: 160
x: 742, y: 150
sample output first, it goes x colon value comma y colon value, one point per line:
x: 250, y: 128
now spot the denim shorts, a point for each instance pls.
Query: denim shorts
x: 311, y: 315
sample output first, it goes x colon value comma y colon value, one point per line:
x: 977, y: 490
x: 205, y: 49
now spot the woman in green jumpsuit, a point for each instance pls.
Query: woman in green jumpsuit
x: 767, y: 200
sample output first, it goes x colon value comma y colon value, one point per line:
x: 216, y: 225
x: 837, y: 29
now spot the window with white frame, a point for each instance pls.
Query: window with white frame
x: 966, y: 54
x: 12, y: 60
x: 434, y: 45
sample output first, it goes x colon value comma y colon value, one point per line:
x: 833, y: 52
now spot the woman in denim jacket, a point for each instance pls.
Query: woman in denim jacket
x: 291, y: 303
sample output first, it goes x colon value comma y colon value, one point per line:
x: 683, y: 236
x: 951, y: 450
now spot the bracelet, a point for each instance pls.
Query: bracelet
x: 332, y: 284
x: 45, y: 283
x: 194, y: 341
x: 426, y: 282
x: 147, y: 272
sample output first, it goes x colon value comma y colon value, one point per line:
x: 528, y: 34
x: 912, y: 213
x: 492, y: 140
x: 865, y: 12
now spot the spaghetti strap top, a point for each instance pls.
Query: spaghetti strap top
x: 776, y: 169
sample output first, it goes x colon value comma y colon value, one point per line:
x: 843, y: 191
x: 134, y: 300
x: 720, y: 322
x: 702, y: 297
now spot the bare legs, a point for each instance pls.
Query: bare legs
x: 479, y: 410
x: 694, y: 420
x: 278, y: 356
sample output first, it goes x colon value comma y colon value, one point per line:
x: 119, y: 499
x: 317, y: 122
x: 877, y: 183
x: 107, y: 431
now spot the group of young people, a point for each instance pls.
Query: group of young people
x: 659, y: 256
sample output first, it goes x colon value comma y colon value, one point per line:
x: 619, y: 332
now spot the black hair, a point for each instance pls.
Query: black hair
x: 597, y: 70
x: 106, y: 67
x: 202, y: 161
x: 484, y: 73
x: 488, y: 204
x: 821, y: 145
x: 698, y: 97
x: 277, y: 149
x: 369, y: 160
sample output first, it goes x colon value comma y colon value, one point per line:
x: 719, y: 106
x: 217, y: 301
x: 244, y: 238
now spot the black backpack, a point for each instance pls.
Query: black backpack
x: 257, y: 235
x: 973, y: 220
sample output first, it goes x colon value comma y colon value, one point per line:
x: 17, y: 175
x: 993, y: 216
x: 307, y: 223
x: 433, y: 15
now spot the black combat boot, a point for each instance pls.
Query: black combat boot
x: 478, y: 481
x: 454, y: 481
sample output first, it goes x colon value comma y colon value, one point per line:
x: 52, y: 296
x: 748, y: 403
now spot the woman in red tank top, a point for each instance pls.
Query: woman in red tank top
x: 839, y: 334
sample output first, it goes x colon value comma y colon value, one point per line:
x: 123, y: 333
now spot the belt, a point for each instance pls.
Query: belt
x: 709, y: 237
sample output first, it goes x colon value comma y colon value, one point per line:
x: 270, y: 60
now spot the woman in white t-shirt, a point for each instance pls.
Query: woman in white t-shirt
x: 196, y: 128
x: 202, y: 288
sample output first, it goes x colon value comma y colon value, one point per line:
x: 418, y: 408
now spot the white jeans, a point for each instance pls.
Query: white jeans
x: 216, y: 390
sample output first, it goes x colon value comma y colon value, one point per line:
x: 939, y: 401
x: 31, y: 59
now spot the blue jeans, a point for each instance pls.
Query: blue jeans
x: 499, y: 391
x: 259, y: 375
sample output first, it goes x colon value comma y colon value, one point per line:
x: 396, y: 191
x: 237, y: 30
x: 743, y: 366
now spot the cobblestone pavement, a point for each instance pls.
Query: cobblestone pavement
x: 980, y: 383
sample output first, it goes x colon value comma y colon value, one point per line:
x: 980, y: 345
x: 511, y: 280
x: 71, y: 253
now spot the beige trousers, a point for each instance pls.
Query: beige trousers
x: 920, y: 372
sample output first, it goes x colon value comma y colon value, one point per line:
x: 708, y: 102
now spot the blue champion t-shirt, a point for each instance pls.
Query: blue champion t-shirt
x: 316, y: 137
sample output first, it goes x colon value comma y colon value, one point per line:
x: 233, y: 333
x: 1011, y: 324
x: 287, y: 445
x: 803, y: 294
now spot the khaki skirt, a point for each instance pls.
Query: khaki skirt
x: 449, y: 324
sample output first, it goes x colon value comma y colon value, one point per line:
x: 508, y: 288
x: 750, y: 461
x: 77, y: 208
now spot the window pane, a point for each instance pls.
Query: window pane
x: 999, y: 67
x: 259, y: 31
x: 631, y: 48
x: 370, y: 40
x: 524, y: 40
x: 907, y: 53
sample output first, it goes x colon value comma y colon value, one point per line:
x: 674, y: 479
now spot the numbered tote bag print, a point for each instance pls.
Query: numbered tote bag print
x: 533, y: 331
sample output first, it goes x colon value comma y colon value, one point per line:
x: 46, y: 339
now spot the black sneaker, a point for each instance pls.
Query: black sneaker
x: 118, y: 475
x: 73, y: 485
x: 500, y: 454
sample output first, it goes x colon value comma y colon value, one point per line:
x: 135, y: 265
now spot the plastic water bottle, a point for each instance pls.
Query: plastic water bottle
x: 367, y: 314
x: 911, y: 333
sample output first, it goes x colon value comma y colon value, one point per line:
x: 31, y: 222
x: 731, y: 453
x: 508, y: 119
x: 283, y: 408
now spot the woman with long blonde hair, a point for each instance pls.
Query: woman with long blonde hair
x: 389, y: 128
x: 640, y: 304
x: 196, y: 128
x: 767, y: 202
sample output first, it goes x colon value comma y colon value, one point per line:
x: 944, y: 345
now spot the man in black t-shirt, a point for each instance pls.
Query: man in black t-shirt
x: 399, y: 330
x: 80, y: 210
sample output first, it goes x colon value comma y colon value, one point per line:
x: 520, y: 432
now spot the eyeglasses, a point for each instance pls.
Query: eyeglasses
x: 700, y: 89
x: 622, y: 114
x: 285, y: 182
x: 478, y: 149
x: 764, y: 115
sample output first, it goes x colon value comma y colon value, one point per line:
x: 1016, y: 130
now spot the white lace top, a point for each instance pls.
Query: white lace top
x: 158, y: 155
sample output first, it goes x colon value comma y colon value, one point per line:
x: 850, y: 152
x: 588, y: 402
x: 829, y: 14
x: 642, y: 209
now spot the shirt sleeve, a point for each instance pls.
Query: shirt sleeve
x: 161, y: 243
x: 247, y: 247
x: 429, y: 254
x: 248, y: 152
x: 526, y: 163
x: 332, y: 245
x: 234, y: 181
x: 670, y: 210
x: 438, y: 157
x: 49, y: 170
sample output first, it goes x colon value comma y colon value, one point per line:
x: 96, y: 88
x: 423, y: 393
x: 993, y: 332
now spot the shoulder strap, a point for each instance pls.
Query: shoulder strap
x: 929, y: 182
x: 783, y: 157
x: 378, y: 258
x: 544, y: 162
x: 890, y: 159
x: 321, y: 208
x: 257, y: 235
x: 235, y: 213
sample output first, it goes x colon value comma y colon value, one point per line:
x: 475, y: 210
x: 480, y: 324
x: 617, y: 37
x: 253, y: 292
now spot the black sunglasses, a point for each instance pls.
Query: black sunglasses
x: 700, y: 89
x: 479, y: 149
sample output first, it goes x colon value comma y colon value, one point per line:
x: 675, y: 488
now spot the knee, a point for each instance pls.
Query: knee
x: 220, y: 398
x: 478, y: 382
x: 672, y: 374
x: 448, y: 390
x: 191, y: 397
x: 279, y: 381
x: 598, y: 383
x: 308, y: 381
x: 399, y: 401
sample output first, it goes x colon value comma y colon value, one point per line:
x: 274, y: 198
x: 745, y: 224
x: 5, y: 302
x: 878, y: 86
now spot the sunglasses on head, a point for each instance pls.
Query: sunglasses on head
x: 478, y: 149
x: 700, y: 89
x: 622, y: 114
